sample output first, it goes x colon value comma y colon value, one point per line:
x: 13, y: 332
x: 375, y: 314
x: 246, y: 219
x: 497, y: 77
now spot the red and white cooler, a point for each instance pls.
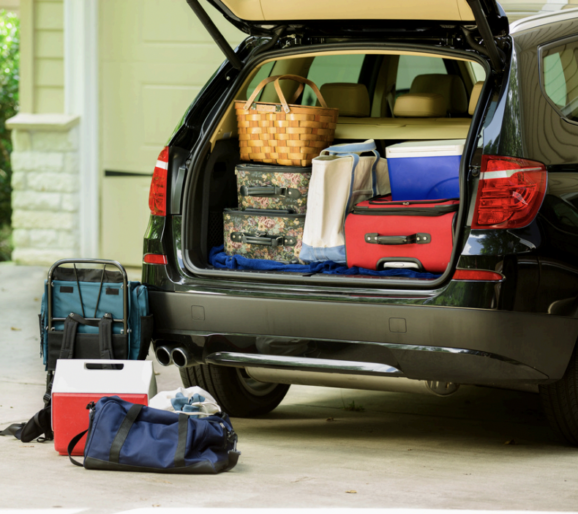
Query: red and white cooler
x: 78, y: 382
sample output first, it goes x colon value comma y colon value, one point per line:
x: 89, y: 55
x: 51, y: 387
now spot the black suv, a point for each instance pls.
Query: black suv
x: 505, y: 311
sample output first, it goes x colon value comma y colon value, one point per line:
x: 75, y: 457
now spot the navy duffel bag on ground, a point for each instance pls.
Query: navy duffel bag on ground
x: 123, y: 436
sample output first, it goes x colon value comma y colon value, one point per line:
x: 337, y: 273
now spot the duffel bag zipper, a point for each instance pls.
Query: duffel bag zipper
x: 230, y: 437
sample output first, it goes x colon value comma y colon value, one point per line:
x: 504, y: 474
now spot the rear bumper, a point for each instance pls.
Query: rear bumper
x: 476, y: 346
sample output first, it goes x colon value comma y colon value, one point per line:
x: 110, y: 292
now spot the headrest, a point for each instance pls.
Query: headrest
x: 475, y: 96
x: 451, y: 87
x: 351, y: 99
x: 424, y: 105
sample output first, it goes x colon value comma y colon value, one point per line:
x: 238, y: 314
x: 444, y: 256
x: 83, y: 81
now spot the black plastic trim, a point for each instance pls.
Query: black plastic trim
x: 541, y: 341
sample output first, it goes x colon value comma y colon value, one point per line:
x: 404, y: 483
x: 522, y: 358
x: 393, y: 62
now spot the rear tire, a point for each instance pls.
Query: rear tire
x: 560, y: 401
x: 238, y: 394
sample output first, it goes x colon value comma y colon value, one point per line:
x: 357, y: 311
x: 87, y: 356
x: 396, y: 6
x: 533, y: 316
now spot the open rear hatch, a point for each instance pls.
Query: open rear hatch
x: 363, y: 18
x: 480, y: 23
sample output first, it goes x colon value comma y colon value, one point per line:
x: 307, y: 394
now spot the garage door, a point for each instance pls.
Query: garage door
x: 155, y: 56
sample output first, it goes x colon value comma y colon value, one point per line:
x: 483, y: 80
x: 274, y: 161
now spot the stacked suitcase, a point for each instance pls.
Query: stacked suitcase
x: 412, y: 228
x: 269, y: 221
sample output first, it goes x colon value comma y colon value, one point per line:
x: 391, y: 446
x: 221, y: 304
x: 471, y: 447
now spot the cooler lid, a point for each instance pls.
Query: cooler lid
x: 449, y: 147
x: 76, y: 376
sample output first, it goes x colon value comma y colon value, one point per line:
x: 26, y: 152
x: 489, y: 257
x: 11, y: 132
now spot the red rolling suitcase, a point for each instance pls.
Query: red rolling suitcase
x: 417, y: 234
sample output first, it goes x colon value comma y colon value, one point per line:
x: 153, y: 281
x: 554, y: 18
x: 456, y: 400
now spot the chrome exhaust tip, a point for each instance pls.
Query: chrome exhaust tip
x: 164, y: 355
x: 180, y: 357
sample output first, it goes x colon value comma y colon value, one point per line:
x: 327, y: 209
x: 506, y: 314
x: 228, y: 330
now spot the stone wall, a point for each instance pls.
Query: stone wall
x: 45, y: 182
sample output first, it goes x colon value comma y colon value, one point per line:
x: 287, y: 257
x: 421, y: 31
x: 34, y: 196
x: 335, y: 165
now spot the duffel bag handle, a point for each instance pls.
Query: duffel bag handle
x: 302, y: 81
x: 263, y: 239
x: 270, y: 191
x: 376, y: 239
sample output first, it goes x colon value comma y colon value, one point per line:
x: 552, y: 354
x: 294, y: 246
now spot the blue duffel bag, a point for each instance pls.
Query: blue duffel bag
x: 93, y: 313
x: 124, y: 436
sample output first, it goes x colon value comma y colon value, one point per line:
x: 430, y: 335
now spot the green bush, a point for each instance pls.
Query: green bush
x: 9, y: 78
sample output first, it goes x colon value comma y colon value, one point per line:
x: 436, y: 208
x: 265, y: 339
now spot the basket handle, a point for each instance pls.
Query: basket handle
x: 262, y: 84
x: 302, y: 81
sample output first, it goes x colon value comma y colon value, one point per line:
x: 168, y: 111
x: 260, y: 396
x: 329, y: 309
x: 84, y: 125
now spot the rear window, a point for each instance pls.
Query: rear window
x: 327, y: 69
x: 410, y: 66
x: 559, y: 76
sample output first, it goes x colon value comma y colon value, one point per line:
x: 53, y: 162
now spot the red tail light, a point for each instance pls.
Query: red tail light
x: 153, y: 258
x: 158, y: 191
x: 510, y: 192
x: 477, y: 274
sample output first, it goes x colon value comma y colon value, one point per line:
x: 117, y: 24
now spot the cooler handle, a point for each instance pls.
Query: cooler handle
x: 376, y: 239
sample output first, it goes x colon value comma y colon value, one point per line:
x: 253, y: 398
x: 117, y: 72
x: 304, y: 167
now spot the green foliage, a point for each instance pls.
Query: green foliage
x: 9, y: 78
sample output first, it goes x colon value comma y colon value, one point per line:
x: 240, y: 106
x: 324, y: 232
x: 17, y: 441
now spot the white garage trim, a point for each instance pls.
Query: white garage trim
x: 81, y: 98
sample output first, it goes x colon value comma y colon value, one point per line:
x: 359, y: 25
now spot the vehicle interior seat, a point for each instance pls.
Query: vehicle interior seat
x: 417, y: 117
x: 451, y: 87
x: 350, y: 98
x: 420, y: 105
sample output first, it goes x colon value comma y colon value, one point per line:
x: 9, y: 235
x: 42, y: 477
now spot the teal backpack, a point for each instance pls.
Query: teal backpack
x: 93, y: 313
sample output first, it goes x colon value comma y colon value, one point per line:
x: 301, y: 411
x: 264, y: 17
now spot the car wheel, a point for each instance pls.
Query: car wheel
x: 235, y: 391
x: 560, y: 401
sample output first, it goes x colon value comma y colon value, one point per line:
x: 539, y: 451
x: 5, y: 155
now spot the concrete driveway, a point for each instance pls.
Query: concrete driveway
x: 399, y: 451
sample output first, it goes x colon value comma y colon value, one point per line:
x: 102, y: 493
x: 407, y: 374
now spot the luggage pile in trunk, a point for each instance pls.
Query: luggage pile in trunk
x: 385, y: 233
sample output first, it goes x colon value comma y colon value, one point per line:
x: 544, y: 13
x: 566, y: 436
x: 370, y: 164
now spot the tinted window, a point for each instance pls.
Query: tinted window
x: 263, y: 73
x: 559, y: 64
x: 332, y: 68
x: 478, y: 71
x: 410, y: 66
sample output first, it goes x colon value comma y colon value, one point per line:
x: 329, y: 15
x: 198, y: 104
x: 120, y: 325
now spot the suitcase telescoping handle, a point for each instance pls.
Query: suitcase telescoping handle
x: 263, y: 239
x: 419, y: 239
x: 270, y: 191
x: 104, y: 263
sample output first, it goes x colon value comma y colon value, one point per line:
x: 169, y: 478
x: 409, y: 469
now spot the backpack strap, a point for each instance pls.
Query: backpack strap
x: 104, y: 335
x: 68, y: 336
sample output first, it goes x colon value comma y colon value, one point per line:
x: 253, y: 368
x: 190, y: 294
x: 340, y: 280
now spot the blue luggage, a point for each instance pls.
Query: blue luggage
x: 123, y: 436
x: 93, y: 313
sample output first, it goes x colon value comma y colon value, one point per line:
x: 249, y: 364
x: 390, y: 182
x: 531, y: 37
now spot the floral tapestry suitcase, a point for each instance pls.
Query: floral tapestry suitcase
x: 273, y: 187
x: 264, y: 234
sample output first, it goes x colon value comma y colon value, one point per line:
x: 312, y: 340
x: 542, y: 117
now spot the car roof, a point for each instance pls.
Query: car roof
x: 545, y: 18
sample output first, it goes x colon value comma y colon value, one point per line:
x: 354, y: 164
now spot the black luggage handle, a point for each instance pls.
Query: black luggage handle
x: 263, y: 239
x: 105, y: 263
x: 270, y: 191
x: 376, y: 239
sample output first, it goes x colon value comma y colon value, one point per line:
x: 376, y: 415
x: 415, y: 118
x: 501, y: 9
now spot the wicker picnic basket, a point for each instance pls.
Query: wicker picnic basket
x: 283, y: 133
